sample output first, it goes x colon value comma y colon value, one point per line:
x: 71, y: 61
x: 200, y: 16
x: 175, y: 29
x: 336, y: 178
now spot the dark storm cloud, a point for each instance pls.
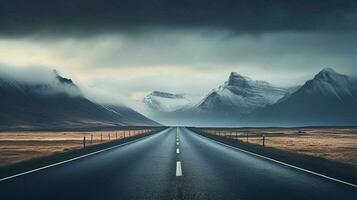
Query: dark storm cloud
x: 22, y: 17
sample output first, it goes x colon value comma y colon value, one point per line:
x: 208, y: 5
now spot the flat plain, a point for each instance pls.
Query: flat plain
x: 337, y: 144
x: 16, y: 147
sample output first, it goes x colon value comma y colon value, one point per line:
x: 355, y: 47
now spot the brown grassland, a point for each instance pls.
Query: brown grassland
x: 338, y: 144
x: 20, y: 146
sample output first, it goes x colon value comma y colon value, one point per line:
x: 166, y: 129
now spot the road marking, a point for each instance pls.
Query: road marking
x: 282, y: 163
x: 177, y: 140
x: 73, y: 159
x: 177, y: 143
x: 178, y: 151
x: 178, y: 169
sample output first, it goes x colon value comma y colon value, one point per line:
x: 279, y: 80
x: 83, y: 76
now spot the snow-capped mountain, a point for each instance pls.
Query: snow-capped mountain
x: 166, y: 102
x: 222, y: 106
x: 240, y: 95
x: 329, y: 98
x: 57, y: 103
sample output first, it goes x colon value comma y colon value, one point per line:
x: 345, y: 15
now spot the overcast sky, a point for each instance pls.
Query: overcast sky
x: 126, y: 49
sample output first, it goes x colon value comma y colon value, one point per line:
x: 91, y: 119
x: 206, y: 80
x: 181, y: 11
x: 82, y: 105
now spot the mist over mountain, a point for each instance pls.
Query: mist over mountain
x: 57, y: 103
x: 328, y: 99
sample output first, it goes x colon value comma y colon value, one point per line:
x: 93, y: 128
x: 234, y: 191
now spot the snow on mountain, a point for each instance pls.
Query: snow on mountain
x: 329, y: 98
x: 166, y: 102
x: 240, y: 95
x: 330, y: 83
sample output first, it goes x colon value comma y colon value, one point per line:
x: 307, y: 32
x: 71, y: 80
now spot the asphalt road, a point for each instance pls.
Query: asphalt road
x: 173, y: 164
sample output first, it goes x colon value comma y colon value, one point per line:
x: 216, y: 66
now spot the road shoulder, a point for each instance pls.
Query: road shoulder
x: 323, y: 166
x: 41, y: 162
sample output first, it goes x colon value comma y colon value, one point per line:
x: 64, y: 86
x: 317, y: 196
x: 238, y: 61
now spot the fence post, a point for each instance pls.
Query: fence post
x: 109, y: 136
x: 84, y: 142
x: 91, y: 138
x: 101, y: 137
x: 116, y: 135
x: 247, y: 137
x: 263, y: 140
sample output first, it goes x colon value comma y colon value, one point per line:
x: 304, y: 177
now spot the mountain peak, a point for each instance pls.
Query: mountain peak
x: 236, y: 79
x: 328, y: 70
x: 64, y: 80
x: 235, y: 74
x: 328, y: 75
x: 165, y: 94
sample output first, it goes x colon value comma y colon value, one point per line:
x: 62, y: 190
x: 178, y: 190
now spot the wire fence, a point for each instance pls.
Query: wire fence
x: 20, y: 146
x: 338, y: 144
x: 100, y: 137
x: 256, y: 138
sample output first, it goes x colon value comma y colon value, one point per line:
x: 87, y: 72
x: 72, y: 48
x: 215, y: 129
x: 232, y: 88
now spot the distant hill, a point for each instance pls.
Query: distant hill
x: 165, y: 102
x: 329, y: 99
x: 58, y: 104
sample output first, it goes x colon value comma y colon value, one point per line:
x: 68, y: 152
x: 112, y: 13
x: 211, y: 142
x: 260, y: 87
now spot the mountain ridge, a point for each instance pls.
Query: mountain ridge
x: 55, y: 104
x: 329, y: 98
x: 240, y: 95
x: 223, y: 105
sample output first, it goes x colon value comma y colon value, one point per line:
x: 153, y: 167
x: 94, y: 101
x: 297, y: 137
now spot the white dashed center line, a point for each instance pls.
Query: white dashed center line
x: 178, y: 163
x: 178, y: 169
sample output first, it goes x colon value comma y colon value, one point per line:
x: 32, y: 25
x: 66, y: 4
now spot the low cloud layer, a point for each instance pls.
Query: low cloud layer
x: 27, y: 75
x: 281, y: 58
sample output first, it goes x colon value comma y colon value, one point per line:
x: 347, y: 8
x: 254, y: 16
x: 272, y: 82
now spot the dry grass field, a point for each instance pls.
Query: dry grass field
x: 338, y: 144
x: 20, y: 146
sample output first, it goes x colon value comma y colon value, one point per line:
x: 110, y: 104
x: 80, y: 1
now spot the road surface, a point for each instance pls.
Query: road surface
x: 173, y: 164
